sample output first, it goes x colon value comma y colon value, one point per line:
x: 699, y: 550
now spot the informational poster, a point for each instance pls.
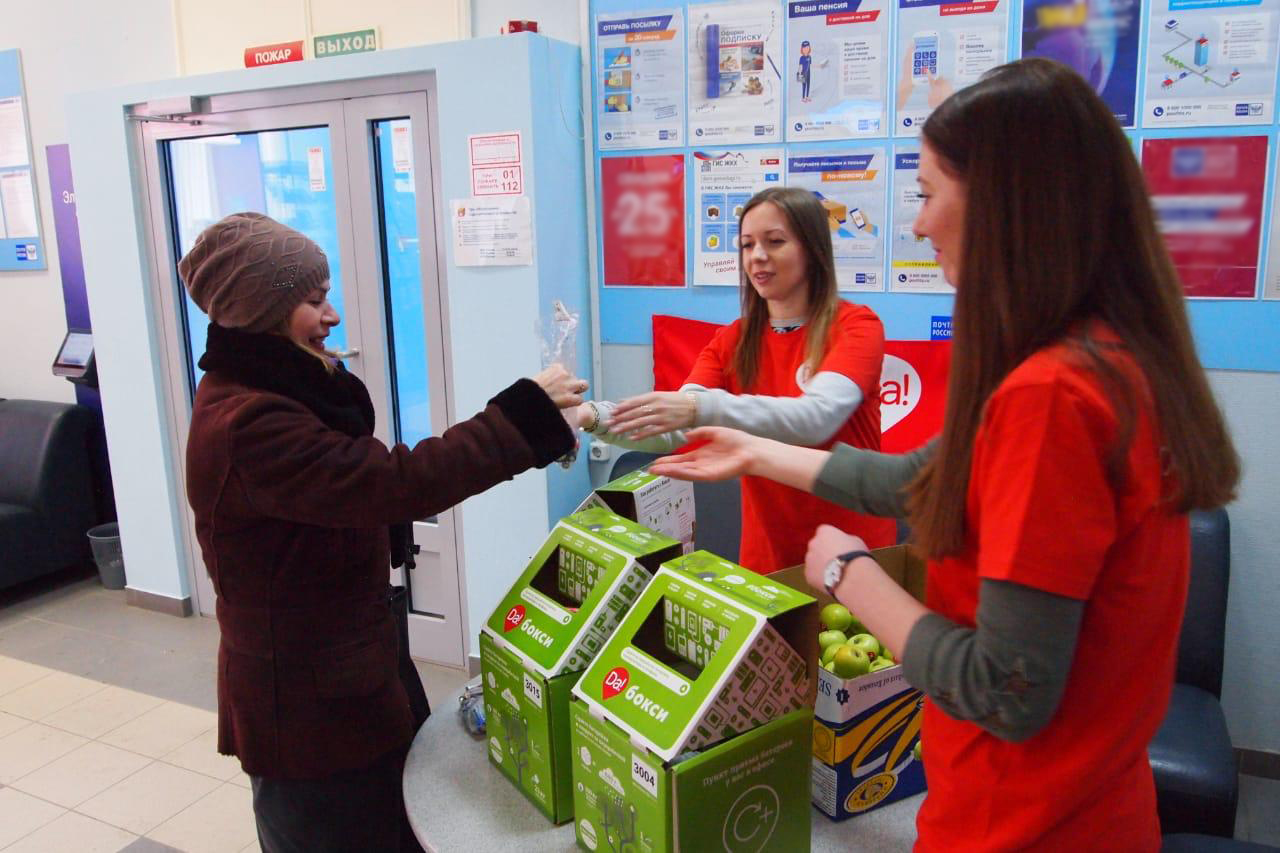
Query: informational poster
x: 735, y: 83
x: 1207, y: 195
x: 20, y: 245
x: 639, y: 85
x: 492, y: 232
x: 942, y: 47
x: 723, y: 184
x: 913, y: 268
x: 1211, y: 62
x: 1271, y: 286
x: 851, y: 186
x: 497, y: 163
x: 642, y: 220
x: 1096, y: 38
x: 837, y: 69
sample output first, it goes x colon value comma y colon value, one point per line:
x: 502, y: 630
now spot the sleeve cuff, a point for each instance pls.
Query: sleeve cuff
x: 924, y: 636
x: 531, y: 412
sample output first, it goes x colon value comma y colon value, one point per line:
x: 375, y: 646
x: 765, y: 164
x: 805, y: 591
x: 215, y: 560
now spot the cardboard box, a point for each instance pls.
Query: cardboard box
x: 691, y: 728
x: 866, y: 728
x: 548, y: 627
x: 658, y: 503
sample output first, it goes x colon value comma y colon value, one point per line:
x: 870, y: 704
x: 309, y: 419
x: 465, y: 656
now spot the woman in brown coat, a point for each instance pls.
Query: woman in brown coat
x: 293, y: 497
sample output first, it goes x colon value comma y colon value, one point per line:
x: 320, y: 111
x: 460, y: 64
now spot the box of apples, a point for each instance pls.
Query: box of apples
x: 866, y: 729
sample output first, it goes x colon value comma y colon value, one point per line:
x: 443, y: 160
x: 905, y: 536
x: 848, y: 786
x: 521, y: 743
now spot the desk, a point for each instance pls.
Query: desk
x: 457, y: 802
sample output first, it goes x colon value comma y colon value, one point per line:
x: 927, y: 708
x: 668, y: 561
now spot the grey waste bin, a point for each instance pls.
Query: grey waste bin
x: 105, y: 541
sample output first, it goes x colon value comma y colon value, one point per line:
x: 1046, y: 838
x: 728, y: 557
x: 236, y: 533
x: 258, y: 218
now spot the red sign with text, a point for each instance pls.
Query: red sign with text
x: 273, y: 54
x: 642, y: 210
x: 1207, y: 195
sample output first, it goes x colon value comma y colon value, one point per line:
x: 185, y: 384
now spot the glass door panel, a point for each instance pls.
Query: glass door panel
x: 285, y: 174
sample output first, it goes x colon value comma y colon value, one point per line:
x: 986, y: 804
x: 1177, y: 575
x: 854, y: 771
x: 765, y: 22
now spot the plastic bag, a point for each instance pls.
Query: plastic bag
x: 559, y: 342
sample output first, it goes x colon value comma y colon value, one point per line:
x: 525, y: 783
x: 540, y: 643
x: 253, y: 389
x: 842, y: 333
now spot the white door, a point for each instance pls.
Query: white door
x: 354, y: 174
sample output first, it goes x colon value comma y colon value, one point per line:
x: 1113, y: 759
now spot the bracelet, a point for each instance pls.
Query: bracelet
x: 693, y: 398
x: 595, y: 421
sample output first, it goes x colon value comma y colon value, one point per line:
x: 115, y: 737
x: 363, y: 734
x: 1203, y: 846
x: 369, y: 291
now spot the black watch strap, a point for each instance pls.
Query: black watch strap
x: 844, y: 560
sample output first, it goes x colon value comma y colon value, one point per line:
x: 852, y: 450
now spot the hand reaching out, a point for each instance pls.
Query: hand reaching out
x: 655, y: 413
x: 564, y: 389
x: 727, y: 453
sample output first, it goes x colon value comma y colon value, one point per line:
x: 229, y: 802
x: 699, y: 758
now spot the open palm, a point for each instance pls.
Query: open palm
x: 726, y: 453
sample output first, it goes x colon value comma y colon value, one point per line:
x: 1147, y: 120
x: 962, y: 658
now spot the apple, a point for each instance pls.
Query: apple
x: 885, y: 653
x: 855, y: 627
x: 918, y: 749
x: 867, y: 643
x: 881, y: 663
x: 830, y: 651
x: 829, y: 666
x: 850, y: 662
x: 836, y: 616
x: 826, y: 638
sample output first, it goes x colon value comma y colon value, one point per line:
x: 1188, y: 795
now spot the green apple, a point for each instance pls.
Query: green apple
x: 826, y: 638
x: 918, y: 750
x: 881, y: 663
x: 885, y: 653
x: 830, y: 651
x: 829, y: 666
x: 836, y: 617
x: 855, y: 627
x: 850, y: 662
x: 867, y: 643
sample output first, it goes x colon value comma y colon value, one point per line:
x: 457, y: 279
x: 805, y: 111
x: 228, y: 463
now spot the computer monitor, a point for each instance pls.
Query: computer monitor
x: 75, y: 356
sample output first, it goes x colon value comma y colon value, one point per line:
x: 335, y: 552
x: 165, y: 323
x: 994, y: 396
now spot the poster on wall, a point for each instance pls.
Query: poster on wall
x: 1271, y: 286
x: 1211, y: 62
x: 723, y: 184
x: 1207, y: 195
x: 942, y: 47
x: 20, y: 245
x: 851, y: 186
x: 639, y: 81
x: 836, y: 69
x: 735, y: 83
x: 913, y: 267
x: 1098, y: 39
x: 642, y: 219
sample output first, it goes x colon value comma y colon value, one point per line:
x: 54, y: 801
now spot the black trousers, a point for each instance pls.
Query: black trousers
x: 359, y: 810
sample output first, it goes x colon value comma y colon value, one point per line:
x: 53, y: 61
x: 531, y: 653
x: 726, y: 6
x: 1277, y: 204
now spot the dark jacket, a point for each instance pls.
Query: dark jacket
x: 292, y: 519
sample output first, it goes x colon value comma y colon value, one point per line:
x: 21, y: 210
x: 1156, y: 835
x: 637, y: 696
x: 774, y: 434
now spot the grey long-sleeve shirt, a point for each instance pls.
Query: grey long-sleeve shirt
x: 1006, y: 675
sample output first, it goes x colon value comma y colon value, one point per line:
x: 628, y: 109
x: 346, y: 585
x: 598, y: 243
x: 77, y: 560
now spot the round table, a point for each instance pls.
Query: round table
x: 457, y: 801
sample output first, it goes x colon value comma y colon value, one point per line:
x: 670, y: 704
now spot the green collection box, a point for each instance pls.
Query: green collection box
x: 658, y: 503
x: 691, y: 730
x: 559, y: 614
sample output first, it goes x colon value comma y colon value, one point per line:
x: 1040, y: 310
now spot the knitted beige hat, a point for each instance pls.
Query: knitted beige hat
x: 248, y: 271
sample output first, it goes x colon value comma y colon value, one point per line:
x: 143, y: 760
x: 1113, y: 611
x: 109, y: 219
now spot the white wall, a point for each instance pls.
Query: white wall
x: 65, y: 44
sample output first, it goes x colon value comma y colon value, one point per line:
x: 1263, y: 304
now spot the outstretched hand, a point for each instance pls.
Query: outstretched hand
x: 727, y: 453
x: 655, y: 413
x: 564, y: 389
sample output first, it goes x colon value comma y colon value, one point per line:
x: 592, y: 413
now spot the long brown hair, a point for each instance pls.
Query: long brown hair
x: 1058, y: 231
x: 807, y: 219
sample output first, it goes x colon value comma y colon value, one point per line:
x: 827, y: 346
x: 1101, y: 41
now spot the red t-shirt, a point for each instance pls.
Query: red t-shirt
x: 1042, y: 513
x: 778, y: 521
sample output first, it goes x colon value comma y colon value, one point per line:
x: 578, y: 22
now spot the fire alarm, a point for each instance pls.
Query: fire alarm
x: 521, y: 27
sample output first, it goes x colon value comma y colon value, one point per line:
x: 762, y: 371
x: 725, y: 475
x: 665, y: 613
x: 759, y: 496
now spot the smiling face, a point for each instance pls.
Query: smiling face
x: 774, y: 261
x: 941, y: 218
x: 311, y: 320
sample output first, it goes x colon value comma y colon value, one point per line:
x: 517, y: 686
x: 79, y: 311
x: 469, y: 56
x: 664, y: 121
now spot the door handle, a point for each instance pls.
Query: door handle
x: 346, y: 353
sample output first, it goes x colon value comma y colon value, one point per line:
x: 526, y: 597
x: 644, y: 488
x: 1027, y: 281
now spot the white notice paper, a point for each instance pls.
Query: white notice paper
x: 315, y: 168
x: 492, y: 232
x: 17, y: 195
x: 13, y: 134
x: 402, y: 146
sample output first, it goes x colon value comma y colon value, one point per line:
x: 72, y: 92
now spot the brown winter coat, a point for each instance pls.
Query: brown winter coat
x: 291, y: 517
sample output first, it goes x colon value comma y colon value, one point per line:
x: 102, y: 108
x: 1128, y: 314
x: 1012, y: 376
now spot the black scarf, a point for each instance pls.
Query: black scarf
x: 274, y: 363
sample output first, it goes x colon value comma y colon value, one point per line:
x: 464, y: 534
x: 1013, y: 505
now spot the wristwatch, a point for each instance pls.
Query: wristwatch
x: 834, y: 572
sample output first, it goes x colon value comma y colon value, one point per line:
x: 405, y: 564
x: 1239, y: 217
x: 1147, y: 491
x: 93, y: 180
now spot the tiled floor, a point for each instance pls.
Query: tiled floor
x: 107, y: 730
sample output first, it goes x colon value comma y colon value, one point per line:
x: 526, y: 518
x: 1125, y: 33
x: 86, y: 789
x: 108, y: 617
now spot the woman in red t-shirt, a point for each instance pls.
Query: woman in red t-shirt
x: 1080, y: 430
x: 800, y: 366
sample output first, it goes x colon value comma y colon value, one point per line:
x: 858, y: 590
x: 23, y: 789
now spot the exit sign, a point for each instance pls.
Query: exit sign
x: 337, y: 44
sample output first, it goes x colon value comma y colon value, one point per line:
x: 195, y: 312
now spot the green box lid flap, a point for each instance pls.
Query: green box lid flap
x: 754, y: 590
x: 625, y: 535
x: 630, y: 482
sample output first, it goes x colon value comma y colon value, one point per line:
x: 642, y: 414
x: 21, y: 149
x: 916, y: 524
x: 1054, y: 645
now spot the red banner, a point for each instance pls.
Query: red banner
x: 1207, y: 194
x: 913, y: 381
x: 643, y: 216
